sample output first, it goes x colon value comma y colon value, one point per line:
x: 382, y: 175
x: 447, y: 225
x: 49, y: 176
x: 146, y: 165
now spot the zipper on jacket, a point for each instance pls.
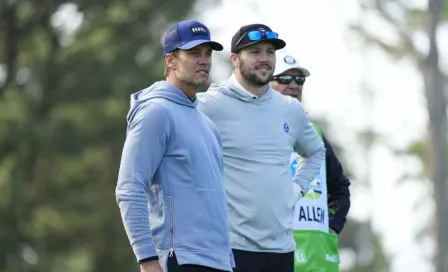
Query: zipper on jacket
x: 170, y: 199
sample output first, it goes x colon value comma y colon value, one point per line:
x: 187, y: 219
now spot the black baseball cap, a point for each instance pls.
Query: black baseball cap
x: 188, y: 34
x: 241, y: 39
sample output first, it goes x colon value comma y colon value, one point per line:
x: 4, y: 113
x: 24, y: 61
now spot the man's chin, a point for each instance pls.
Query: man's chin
x: 292, y: 94
x: 257, y: 80
x: 201, y: 82
x: 263, y: 80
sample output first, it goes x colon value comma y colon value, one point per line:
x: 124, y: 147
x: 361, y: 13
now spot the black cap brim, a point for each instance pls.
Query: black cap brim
x: 278, y: 44
x: 215, y: 45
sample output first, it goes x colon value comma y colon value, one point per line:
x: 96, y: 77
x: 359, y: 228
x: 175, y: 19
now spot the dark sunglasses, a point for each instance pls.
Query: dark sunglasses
x: 257, y: 35
x: 286, y: 79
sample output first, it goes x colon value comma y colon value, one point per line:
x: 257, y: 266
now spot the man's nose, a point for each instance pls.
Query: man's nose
x: 205, y: 60
x: 293, y: 85
x: 265, y: 57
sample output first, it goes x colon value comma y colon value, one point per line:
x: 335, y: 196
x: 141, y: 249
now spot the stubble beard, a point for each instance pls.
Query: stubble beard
x: 252, y: 78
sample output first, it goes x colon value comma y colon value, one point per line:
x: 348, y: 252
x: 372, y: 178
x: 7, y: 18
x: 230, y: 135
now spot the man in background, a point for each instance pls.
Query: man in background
x: 321, y: 214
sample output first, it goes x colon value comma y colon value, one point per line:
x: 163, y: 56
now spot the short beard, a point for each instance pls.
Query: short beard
x: 253, y: 79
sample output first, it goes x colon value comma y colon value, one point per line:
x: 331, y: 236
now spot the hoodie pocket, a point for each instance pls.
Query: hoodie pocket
x: 170, y: 200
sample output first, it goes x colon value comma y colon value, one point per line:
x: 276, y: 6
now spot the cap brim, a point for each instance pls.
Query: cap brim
x: 304, y: 71
x: 215, y: 45
x: 281, y: 70
x: 278, y: 43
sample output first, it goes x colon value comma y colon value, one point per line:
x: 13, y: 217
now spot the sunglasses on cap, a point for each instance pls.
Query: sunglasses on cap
x: 257, y: 35
x: 286, y: 79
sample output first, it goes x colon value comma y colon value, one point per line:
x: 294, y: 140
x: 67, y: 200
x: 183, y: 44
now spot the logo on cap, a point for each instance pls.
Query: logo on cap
x: 261, y: 29
x: 198, y: 30
x: 289, y: 60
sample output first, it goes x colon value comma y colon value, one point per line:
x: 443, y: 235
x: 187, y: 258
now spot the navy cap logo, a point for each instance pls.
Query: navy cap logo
x: 198, y: 30
x: 289, y: 60
x: 261, y: 29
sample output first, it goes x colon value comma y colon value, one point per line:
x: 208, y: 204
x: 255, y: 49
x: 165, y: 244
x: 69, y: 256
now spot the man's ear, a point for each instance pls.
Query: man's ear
x: 170, y: 61
x: 234, y: 59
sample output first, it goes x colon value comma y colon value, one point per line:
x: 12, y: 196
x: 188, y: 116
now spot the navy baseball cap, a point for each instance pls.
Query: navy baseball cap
x: 188, y: 34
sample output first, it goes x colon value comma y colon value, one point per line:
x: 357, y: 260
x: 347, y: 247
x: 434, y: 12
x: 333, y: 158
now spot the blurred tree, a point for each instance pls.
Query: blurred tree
x: 67, y: 69
x: 365, y: 248
x: 409, y: 22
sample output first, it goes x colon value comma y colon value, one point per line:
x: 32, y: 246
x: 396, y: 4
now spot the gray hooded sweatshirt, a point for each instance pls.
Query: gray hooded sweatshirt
x: 170, y: 189
x: 258, y: 136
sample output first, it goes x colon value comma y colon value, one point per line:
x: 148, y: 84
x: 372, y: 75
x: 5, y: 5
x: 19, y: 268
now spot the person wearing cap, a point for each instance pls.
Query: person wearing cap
x: 172, y: 158
x: 260, y: 128
x: 321, y: 215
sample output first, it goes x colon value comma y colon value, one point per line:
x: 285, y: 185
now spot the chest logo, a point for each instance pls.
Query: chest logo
x: 286, y: 127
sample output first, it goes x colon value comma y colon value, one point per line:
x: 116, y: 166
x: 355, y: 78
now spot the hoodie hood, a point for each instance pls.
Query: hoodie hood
x: 234, y: 89
x: 160, y: 89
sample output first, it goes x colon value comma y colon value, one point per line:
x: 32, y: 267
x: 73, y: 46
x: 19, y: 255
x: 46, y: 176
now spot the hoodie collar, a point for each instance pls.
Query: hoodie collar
x: 160, y: 89
x: 244, y: 94
x: 166, y: 90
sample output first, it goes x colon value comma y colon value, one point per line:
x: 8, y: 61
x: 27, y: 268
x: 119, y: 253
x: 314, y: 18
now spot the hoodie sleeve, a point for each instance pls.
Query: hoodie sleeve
x: 146, y: 140
x: 311, y: 150
x: 338, y: 189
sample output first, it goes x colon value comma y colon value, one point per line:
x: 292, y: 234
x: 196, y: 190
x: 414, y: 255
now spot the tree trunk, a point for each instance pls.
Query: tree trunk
x: 436, y: 105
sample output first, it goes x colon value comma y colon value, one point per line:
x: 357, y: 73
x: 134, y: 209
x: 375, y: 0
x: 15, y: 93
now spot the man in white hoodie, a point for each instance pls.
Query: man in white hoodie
x: 259, y: 129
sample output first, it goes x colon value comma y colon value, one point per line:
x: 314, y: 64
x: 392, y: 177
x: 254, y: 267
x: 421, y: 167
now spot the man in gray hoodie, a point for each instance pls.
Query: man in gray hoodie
x: 172, y: 158
x: 259, y: 129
